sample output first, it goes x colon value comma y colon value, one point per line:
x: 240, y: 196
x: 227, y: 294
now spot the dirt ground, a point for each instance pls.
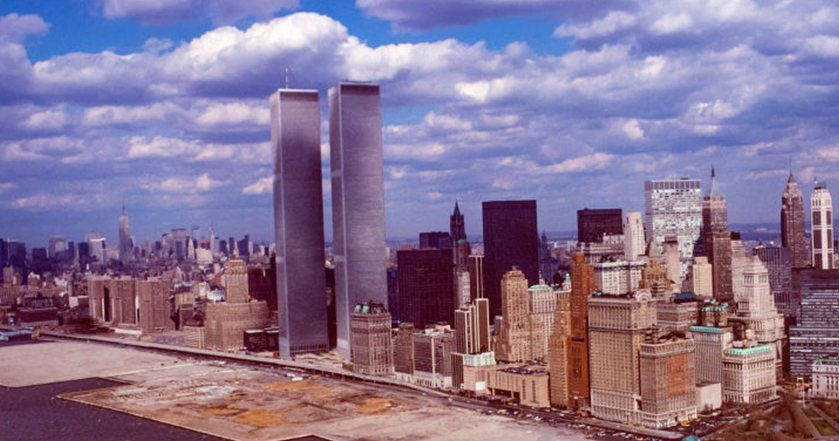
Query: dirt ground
x: 254, y: 404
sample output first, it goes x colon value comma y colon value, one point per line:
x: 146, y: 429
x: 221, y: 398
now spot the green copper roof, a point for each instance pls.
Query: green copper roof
x: 539, y: 288
x: 748, y: 351
x: 706, y: 329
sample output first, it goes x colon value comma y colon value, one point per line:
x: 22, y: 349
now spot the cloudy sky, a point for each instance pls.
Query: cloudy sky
x: 163, y: 105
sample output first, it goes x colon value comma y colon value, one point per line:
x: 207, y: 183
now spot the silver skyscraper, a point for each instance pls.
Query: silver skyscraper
x: 674, y: 210
x: 358, y: 212
x: 298, y: 222
x: 126, y: 247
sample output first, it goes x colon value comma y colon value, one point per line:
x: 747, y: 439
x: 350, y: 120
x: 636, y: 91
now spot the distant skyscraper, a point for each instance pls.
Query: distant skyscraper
x: 674, y: 209
x: 457, y: 232
x: 821, y: 209
x: 126, y: 247
x: 435, y: 239
x: 57, y: 244
x: 511, y: 239
x: 358, y: 216
x: 633, y: 236
x: 701, y: 276
x: 475, y: 265
x: 717, y: 240
x: 426, y: 287
x: 792, y: 224
x: 298, y: 222
x: 777, y: 262
x: 592, y: 224
x: 4, y: 253
x: 460, y: 253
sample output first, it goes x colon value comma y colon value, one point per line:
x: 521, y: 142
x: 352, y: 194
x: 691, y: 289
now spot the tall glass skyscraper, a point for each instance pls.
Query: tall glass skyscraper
x: 717, y: 240
x: 792, y: 224
x: 298, y: 222
x: 821, y: 210
x: 674, y: 209
x: 511, y: 238
x: 358, y: 201
x: 126, y: 247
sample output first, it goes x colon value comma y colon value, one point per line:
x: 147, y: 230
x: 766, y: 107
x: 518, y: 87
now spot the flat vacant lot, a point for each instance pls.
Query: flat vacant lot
x: 52, y: 362
x: 246, y: 403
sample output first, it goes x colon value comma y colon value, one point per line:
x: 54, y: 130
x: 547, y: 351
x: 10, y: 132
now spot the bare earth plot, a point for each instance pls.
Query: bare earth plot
x: 52, y: 362
x: 245, y: 403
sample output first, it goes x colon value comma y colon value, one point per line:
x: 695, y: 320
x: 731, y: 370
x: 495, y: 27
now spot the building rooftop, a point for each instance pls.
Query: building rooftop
x: 524, y: 370
x: 708, y: 329
x: 827, y: 361
x: 744, y: 352
x: 370, y: 308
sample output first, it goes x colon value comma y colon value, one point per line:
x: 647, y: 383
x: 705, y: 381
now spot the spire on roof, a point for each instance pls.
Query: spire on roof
x: 712, y: 189
x: 456, y: 209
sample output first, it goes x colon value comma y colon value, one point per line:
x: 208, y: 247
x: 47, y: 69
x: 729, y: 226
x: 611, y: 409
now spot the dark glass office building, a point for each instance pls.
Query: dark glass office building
x: 358, y: 201
x: 298, y: 222
x: 592, y: 224
x: 426, y: 287
x: 435, y: 239
x: 817, y: 333
x: 510, y: 239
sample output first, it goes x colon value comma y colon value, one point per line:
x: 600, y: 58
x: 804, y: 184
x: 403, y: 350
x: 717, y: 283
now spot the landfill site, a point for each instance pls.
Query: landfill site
x: 241, y: 402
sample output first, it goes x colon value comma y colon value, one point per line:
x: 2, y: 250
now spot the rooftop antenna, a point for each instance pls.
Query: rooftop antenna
x: 286, y: 77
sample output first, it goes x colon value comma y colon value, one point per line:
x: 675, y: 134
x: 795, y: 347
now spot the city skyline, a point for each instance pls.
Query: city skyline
x: 163, y: 109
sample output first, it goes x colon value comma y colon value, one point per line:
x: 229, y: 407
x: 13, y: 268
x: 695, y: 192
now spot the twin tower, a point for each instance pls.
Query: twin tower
x: 358, y: 216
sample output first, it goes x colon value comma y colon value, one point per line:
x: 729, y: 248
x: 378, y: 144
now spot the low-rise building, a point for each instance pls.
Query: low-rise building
x: 749, y: 374
x: 527, y: 384
x: 825, y: 379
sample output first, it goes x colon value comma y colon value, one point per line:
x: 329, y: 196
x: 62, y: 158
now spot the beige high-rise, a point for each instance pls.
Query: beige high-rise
x: 701, y: 277
x: 616, y: 330
x: 558, y: 352
x: 514, y: 344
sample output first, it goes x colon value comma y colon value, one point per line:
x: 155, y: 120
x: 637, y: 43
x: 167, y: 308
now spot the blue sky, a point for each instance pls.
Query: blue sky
x: 162, y: 105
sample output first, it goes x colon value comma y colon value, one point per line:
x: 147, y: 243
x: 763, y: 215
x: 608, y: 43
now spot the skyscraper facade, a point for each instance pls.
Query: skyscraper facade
x: 298, y: 222
x: 558, y: 352
x: 372, y: 346
x: 821, y: 220
x: 633, y: 235
x: 56, y: 245
x: 511, y: 239
x: 435, y: 239
x: 817, y: 333
x: 674, y: 209
x: 457, y: 233
x: 717, y: 240
x: 617, y: 325
x: 582, y: 286
x: 757, y: 309
x: 701, y: 277
x: 126, y: 248
x: 514, y: 331
x: 776, y: 259
x: 475, y: 266
x: 592, y: 224
x: 792, y: 224
x: 358, y: 215
x: 426, y: 287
